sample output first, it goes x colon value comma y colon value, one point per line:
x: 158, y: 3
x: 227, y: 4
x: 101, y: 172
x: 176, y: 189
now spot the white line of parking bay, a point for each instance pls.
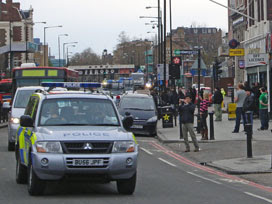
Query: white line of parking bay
x: 260, y: 197
x: 167, y: 162
x: 146, y: 151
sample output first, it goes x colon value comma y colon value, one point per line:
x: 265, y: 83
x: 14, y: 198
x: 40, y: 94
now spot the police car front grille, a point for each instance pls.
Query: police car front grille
x: 87, y: 147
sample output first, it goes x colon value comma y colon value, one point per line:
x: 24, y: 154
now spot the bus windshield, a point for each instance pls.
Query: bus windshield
x: 34, y: 82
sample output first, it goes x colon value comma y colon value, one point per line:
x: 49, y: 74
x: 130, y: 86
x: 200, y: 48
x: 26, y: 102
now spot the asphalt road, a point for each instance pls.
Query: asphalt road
x: 163, y: 177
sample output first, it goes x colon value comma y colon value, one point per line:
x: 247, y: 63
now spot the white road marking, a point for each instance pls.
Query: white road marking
x: 260, y: 197
x: 202, y: 177
x: 167, y: 162
x: 146, y: 151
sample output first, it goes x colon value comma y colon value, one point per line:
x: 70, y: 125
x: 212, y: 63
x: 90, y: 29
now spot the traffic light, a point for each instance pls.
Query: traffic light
x: 216, y: 70
x: 174, y: 71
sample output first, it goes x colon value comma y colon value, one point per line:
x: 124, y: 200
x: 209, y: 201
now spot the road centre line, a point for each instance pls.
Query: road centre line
x: 260, y: 197
x: 202, y: 177
x: 167, y: 162
x: 146, y: 151
x: 207, y: 169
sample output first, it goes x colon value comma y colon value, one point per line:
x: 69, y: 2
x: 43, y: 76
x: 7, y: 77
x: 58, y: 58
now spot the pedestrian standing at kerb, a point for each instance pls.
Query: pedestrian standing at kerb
x: 217, y: 100
x: 204, y: 104
x: 187, y: 119
x: 263, y: 108
x: 239, y: 100
x: 249, y: 105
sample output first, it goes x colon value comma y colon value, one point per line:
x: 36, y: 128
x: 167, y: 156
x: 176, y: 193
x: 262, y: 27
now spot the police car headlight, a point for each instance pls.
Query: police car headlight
x: 15, y: 120
x: 124, y: 146
x: 48, y: 147
x: 153, y: 119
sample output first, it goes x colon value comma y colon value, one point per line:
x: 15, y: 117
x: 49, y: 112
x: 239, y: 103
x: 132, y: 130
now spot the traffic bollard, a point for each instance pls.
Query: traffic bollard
x: 211, y: 126
x: 248, y: 129
x: 198, y: 124
x: 180, y: 128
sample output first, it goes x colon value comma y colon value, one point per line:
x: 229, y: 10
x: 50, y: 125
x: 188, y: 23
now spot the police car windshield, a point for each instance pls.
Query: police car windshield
x: 78, y: 111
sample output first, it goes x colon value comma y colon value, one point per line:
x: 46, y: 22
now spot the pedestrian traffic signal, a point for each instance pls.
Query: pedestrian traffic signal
x: 174, y: 71
x: 176, y: 60
x: 217, y: 71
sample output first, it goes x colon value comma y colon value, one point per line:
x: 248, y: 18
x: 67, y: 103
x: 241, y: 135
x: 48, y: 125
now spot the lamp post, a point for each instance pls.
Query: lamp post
x: 59, y: 44
x: 44, y: 35
x: 164, y: 45
x: 26, y: 28
x: 68, y: 53
x: 64, y: 44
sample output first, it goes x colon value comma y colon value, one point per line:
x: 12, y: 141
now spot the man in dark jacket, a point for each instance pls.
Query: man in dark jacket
x: 249, y: 105
x: 187, y: 110
x: 217, y: 100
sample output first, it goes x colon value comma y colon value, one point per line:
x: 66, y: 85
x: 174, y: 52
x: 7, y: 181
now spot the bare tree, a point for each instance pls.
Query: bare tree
x: 87, y: 57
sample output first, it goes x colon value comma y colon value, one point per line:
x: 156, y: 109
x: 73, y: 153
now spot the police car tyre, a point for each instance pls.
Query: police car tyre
x: 21, y: 171
x: 127, y: 186
x: 11, y: 146
x: 35, y: 185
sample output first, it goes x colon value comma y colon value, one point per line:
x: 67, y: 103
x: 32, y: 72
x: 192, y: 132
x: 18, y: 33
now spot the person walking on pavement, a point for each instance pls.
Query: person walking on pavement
x: 217, y: 100
x: 223, y: 94
x: 257, y: 93
x: 204, y: 104
x: 263, y: 108
x: 187, y: 119
x: 249, y: 105
x: 239, y: 100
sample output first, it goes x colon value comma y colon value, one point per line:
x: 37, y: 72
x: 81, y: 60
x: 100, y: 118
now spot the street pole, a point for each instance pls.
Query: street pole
x: 164, y: 46
x: 26, y: 55
x: 198, y: 99
x: 171, y: 41
x: 159, y: 32
x: 10, y: 52
x: 59, y: 45
x: 44, y: 38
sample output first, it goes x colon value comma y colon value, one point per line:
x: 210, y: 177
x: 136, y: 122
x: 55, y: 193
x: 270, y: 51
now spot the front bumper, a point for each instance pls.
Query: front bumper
x: 12, y: 129
x: 147, y: 128
x: 59, y: 166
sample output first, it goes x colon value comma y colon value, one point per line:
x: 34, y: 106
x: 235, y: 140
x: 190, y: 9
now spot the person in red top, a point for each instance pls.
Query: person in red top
x: 204, y: 104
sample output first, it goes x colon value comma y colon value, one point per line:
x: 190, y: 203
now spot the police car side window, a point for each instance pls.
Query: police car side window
x: 32, y: 104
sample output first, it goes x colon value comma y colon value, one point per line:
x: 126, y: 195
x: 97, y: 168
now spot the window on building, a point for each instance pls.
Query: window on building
x: 209, y: 30
x: 195, y: 30
x: 204, y: 30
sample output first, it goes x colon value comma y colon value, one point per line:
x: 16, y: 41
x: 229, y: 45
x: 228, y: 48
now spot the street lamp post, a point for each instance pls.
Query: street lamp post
x: 59, y: 44
x: 44, y: 35
x: 68, y: 53
x: 164, y: 46
x: 64, y: 44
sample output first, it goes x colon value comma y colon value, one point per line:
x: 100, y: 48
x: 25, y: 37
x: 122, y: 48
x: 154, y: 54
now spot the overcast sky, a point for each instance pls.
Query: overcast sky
x: 97, y: 23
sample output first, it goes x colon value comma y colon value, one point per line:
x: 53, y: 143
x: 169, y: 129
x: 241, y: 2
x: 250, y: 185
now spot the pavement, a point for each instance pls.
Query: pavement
x: 228, y: 152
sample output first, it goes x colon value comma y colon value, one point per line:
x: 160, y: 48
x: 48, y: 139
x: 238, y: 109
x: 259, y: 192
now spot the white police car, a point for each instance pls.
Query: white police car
x: 74, y: 135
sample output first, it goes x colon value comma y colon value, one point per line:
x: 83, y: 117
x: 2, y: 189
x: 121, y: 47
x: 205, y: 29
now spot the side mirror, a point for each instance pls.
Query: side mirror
x: 26, y: 121
x: 127, y: 122
x: 6, y: 105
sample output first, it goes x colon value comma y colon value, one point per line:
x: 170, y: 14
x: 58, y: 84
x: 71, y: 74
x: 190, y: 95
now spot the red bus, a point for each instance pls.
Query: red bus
x: 5, y: 90
x: 34, y: 76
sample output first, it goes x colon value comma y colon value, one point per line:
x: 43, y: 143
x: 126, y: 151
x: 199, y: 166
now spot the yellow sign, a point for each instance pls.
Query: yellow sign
x: 52, y: 72
x: 166, y: 117
x: 236, y: 52
x: 33, y: 73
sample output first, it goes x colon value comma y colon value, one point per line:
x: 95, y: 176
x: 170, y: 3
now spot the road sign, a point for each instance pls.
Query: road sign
x: 236, y: 52
x: 160, y: 71
x: 185, y: 52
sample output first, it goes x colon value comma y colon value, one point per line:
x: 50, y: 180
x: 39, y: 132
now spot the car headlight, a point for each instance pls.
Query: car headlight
x: 153, y: 119
x: 124, y: 146
x: 15, y: 120
x: 48, y: 147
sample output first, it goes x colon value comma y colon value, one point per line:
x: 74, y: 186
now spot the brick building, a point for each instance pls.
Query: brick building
x: 16, y: 35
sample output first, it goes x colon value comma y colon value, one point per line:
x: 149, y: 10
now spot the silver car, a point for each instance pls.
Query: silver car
x: 75, y: 136
x: 18, y: 106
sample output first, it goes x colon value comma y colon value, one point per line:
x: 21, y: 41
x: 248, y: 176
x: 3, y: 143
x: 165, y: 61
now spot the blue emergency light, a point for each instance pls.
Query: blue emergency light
x: 71, y: 84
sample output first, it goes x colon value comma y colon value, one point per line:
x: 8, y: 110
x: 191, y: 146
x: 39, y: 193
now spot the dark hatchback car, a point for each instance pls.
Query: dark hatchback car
x: 143, y: 110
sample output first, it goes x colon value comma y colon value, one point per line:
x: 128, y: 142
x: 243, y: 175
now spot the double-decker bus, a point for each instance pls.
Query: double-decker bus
x: 34, y: 76
x: 5, y: 90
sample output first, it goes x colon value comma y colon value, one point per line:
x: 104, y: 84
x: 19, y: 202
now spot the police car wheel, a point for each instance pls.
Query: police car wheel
x: 11, y: 146
x: 21, y: 172
x: 35, y: 185
x: 127, y: 186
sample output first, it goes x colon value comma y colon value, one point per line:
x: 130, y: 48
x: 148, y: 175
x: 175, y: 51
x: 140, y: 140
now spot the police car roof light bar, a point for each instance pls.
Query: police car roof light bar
x: 71, y: 84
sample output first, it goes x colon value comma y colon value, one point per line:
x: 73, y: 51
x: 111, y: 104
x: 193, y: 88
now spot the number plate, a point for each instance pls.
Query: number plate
x: 88, y: 162
x: 137, y: 126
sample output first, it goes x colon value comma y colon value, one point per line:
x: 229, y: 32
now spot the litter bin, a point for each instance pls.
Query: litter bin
x: 167, y: 117
x: 231, y: 111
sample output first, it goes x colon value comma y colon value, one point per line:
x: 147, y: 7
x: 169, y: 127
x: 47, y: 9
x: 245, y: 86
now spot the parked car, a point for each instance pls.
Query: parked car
x: 143, y: 110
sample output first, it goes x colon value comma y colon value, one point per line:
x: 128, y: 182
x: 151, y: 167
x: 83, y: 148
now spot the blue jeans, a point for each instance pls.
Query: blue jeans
x: 250, y: 119
x: 264, y: 118
x: 239, y: 113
